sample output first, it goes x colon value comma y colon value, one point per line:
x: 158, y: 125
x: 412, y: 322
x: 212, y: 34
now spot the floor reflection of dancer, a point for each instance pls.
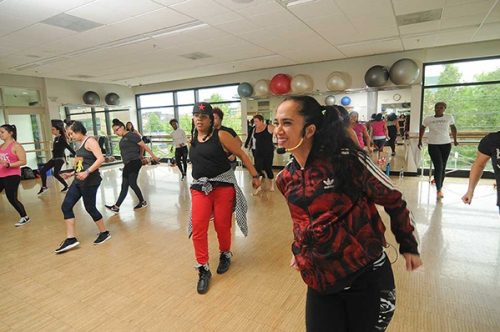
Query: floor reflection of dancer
x: 12, y: 157
x: 131, y: 146
x: 58, y: 157
x: 331, y: 187
x: 214, y: 191
x: 85, y: 185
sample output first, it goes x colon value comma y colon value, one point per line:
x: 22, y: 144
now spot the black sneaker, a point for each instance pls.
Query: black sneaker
x: 67, y: 244
x: 65, y: 189
x: 42, y: 190
x: 224, y: 262
x: 141, y: 205
x: 204, y: 278
x: 23, y: 221
x: 113, y: 208
x: 102, y: 237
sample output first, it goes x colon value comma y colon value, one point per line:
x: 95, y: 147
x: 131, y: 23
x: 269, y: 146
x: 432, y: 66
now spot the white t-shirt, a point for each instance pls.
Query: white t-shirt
x: 439, y: 128
x: 179, y: 137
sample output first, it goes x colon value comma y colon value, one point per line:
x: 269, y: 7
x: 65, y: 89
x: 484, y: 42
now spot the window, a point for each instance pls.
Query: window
x: 20, y: 97
x: 157, y: 109
x: 471, y: 89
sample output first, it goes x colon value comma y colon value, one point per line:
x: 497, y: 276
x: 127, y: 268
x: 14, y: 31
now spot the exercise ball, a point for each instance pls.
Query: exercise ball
x: 345, y: 101
x: 404, y: 72
x: 112, y: 99
x: 245, y: 90
x: 261, y: 88
x: 91, y: 98
x: 338, y: 81
x: 330, y: 100
x: 302, y: 83
x: 280, y: 84
x: 376, y: 76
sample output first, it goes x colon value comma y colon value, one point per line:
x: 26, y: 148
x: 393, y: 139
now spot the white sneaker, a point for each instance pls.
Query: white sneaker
x: 23, y: 221
x: 257, y: 191
x: 272, y: 185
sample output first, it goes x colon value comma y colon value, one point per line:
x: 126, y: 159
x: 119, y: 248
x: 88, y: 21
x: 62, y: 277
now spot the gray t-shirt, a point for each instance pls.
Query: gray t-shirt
x: 129, y: 147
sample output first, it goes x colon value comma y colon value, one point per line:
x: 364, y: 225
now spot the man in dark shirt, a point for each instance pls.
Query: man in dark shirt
x: 489, y: 148
x: 218, y: 117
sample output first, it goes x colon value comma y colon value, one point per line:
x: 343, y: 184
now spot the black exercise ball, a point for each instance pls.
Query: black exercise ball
x: 112, y: 99
x: 91, y: 98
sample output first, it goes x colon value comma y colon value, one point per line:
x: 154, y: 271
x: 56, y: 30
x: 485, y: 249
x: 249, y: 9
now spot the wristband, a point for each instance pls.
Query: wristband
x: 255, y: 177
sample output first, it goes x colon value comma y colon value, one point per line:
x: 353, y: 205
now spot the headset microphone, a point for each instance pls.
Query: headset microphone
x: 283, y: 150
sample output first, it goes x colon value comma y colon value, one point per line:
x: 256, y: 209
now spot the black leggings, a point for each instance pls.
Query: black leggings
x: 88, y: 193
x: 11, y: 185
x: 181, y: 156
x: 439, y: 154
x: 129, y: 179
x: 367, y: 305
x: 264, y: 163
x: 393, y: 134
x: 57, y: 164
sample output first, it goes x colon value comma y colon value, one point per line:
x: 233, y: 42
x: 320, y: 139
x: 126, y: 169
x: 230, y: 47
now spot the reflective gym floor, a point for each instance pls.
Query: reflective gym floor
x: 143, y: 278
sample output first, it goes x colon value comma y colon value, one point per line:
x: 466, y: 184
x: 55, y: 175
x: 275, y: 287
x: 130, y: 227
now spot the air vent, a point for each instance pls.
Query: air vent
x: 263, y: 104
x: 71, y: 22
x: 196, y: 56
x: 419, y: 17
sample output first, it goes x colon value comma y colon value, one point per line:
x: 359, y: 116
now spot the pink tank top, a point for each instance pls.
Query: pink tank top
x: 378, y: 128
x: 11, y: 157
x: 359, y: 128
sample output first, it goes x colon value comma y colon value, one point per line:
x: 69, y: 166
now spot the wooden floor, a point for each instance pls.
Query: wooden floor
x: 143, y: 278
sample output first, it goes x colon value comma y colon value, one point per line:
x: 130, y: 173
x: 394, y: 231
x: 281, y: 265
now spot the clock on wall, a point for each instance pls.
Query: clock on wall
x: 396, y: 97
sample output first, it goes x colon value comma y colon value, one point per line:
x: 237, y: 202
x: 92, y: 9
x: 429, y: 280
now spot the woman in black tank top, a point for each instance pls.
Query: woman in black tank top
x: 85, y: 185
x: 213, y: 190
x: 263, y: 150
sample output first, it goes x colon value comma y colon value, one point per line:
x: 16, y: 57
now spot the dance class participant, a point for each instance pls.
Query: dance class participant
x: 214, y: 191
x: 85, y: 185
x: 12, y: 157
x: 331, y: 187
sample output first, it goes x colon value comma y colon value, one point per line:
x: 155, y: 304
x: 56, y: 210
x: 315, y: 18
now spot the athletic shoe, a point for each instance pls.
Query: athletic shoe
x: 67, y: 244
x: 257, y: 191
x: 224, y: 262
x: 113, y: 208
x: 183, y: 176
x: 102, y: 237
x: 141, y: 205
x: 65, y: 189
x: 23, y: 221
x: 42, y: 190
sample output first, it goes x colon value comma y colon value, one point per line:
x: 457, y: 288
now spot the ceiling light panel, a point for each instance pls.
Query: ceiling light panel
x: 402, y: 7
x: 71, y: 22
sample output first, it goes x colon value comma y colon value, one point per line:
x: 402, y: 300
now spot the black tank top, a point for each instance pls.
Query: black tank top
x: 208, y: 158
x: 84, y: 159
x: 264, y: 142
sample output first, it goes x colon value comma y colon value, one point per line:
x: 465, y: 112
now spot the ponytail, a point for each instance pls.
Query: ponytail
x: 11, y: 129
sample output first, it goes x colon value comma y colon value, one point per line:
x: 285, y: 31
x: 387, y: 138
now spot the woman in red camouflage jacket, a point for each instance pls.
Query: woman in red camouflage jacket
x: 331, y: 187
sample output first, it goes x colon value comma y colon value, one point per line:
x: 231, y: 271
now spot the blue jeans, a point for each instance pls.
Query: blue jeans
x: 88, y: 193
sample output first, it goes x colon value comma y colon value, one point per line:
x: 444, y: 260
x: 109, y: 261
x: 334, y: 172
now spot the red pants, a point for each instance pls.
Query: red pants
x: 219, y: 203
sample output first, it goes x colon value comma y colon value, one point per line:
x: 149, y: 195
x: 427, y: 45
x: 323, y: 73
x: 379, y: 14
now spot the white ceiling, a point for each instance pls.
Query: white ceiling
x: 142, y: 41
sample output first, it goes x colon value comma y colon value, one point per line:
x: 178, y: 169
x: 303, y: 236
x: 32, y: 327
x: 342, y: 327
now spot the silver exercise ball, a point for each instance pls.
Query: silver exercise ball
x: 404, y: 72
x: 245, y: 89
x: 261, y: 88
x: 338, y: 81
x: 330, y: 100
x: 302, y: 83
